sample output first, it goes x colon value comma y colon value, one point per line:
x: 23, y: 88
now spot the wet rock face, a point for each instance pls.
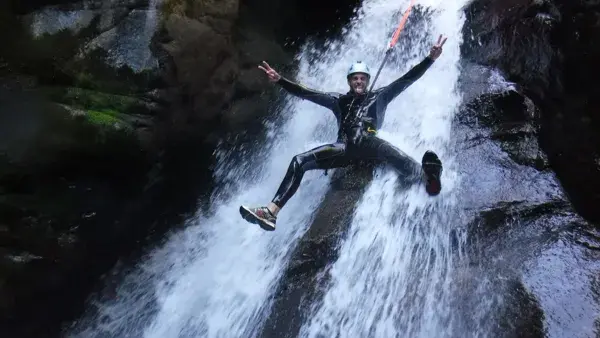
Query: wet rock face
x: 511, y: 119
x: 549, y: 49
x: 524, y: 238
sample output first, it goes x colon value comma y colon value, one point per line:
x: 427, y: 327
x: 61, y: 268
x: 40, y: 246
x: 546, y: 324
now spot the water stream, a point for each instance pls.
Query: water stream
x: 216, y: 278
x: 394, y: 274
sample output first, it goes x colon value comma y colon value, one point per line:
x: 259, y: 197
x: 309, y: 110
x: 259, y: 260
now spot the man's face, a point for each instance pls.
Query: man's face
x: 358, y: 83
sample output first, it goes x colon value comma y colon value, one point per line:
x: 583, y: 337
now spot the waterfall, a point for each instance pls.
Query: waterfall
x: 394, y: 274
x: 216, y: 277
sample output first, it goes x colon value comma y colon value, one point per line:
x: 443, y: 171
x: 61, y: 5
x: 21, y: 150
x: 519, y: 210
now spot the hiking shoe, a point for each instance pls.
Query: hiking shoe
x: 432, y: 166
x: 261, y: 216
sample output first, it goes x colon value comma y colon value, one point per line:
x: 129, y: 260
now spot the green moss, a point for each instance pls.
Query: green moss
x: 91, y: 99
x: 107, y: 117
x: 101, y: 108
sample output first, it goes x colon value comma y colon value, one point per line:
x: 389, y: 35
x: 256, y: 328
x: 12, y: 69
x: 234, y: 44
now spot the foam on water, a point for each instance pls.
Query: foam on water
x: 393, y: 276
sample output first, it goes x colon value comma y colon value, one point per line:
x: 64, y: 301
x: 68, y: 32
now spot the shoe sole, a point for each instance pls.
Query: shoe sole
x: 254, y: 219
x: 436, y: 182
x: 436, y: 186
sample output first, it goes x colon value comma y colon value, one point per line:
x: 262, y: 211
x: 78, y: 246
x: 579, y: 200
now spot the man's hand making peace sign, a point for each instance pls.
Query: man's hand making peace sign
x: 436, y: 50
x: 271, y: 73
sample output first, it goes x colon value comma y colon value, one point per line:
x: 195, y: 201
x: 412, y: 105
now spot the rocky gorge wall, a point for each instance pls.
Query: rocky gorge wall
x: 548, y: 48
x: 110, y: 112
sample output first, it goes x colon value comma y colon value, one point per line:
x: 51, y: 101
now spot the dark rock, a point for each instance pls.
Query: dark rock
x: 244, y: 111
x: 523, y: 253
x: 251, y: 81
x: 491, y: 221
x: 24, y: 7
x: 512, y: 120
x: 508, y: 309
x: 522, y: 315
x: 548, y: 49
x: 500, y: 170
x: 287, y: 19
x: 201, y: 61
x: 520, y: 225
x: 60, y: 188
x: 255, y: 47
x: 74, y: 196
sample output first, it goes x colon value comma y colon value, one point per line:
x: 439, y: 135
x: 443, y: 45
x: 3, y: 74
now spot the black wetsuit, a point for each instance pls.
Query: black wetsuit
x: 356, y: 137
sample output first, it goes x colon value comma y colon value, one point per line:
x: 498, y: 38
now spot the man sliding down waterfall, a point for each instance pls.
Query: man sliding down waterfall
x: 356, y: 135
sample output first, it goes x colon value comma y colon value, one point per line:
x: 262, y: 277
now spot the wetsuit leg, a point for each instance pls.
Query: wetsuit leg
x: 373, y: 147
x: 327, y: 156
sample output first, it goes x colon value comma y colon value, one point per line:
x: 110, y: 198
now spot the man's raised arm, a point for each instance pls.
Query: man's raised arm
x: 324, y: 99
x: 395, y: 88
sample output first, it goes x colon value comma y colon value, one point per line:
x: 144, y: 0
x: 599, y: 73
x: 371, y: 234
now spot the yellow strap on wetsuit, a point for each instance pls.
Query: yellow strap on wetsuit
x: 371, y: 130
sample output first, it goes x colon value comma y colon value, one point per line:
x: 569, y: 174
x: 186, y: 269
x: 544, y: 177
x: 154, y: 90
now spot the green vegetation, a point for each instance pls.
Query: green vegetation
x: 102, y: 109
x: 106, y: 118
x: 92, y: 99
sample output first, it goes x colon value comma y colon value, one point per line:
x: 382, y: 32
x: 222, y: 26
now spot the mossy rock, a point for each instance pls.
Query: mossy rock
x: 90, y: 99
x: 101, y: 107
x: 68, y: 132
x: 104, y: 118
x: 68, y: 147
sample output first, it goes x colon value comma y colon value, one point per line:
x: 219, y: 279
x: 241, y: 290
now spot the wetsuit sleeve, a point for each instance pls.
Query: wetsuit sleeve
x: 324, y: 99
x: 395, y: 88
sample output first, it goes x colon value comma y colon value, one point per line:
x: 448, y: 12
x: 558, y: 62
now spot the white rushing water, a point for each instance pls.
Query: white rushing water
x: 393, y: 276
x: 217, y: 277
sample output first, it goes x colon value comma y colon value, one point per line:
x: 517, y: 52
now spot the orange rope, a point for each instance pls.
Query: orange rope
x: 401, y: 26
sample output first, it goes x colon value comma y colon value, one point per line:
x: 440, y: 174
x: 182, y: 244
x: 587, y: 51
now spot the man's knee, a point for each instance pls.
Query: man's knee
x: 299, y: 163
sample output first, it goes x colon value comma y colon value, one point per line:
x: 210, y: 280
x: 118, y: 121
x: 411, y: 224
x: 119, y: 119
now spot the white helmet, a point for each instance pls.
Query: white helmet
x: 359, y: 67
